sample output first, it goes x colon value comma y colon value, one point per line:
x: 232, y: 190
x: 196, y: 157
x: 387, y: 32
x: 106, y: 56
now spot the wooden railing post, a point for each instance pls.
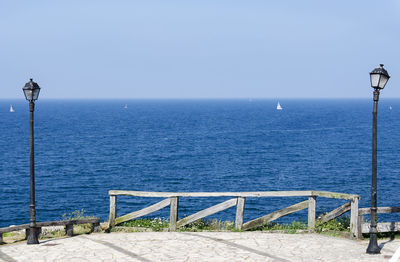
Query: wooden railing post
x: 95, y: 227
x: 113, y: 211
x: 69, y: 229
x: 173, y: 217
x: 1, y: 238
x: 312, y: 203
x: 360, y: 221
x: 239, y: 212
x: 354, y: 219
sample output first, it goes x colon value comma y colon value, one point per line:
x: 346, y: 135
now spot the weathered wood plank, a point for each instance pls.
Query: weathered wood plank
x: 335, y: 213
x: 210, y: 194
x: 354, y: 218
x: 113, y: 211
x: 235, y: 194
x: 51, y: 223
x: 312, y: 205
x: 68, y: 223
x: 143, y: 212
x: 206, y: 212
x: 173, y: 216
x: 359, y: 225
x: 382, y: 227
x: 239, y: 212
x: 334, y: 195
x: 13, y: 228
x: 275, y: 215
x: 381, y: 210
x: 65, y: 222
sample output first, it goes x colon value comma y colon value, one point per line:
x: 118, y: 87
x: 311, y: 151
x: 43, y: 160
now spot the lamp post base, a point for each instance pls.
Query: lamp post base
x: 32, y: 235
x: 373, y: 247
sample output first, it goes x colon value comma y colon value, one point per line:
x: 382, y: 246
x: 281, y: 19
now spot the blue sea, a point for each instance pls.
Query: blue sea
x: 83, y: 148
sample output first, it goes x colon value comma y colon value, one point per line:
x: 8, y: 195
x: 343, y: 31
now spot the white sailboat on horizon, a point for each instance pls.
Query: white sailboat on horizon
x: 278, y: 106
x: 126, y: 106
x: 11, y: 109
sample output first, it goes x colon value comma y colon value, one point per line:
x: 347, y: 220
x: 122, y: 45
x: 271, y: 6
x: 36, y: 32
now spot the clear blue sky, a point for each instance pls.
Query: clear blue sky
x: 198, y: 49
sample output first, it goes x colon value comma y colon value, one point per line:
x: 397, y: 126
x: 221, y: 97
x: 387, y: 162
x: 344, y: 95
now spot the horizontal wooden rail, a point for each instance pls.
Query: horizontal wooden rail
x: 380, y: 210
x: 210, y: 194
x: 328, y: 194
x: 382, y: 227
x: 239, y: 198
x: 235, y: 194
x: 67, y: 223
x: 364, y: 228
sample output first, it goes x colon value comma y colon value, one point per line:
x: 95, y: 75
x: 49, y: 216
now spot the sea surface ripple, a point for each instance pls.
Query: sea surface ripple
x: 83, y: 148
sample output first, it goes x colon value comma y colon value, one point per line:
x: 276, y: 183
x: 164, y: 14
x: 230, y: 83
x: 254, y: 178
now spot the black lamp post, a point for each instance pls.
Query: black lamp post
x: 379, y: 77
x: 31, y: 92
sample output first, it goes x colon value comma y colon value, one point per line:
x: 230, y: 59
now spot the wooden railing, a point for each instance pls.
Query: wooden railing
x: 69, y: 226
x: 238, y: 200
x: 381, y: 227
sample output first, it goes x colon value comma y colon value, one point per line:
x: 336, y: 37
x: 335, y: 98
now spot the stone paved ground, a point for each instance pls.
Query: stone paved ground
x: 200, y: 246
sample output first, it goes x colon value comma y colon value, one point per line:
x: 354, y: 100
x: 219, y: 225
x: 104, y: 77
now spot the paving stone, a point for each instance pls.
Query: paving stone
x: 197, y: 246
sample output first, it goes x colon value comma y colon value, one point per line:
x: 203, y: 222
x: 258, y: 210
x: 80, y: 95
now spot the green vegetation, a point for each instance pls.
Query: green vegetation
x: 287, y: 228
x: 209, y: 225
x: 77, y: 214
x: 335, y: 227
x: 341, y: 224
x: 53, y: 234
x: 160, y: 224
x: 9, y: 234
x: 156, y: 224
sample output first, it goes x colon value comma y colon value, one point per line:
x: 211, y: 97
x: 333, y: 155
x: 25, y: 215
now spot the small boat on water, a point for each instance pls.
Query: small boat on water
x: 126, y: 106
x: 278, y: 106
x: 390, y: 107
x: 11, y: 109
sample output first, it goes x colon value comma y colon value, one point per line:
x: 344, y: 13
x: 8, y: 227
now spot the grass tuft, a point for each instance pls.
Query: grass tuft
x: 209, y: 225
x: 289, y: 228
x: 341, y: 224
x: 155, y: 224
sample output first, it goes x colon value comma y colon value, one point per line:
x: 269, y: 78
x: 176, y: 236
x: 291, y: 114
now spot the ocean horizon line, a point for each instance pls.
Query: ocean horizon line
x: 208, y: 99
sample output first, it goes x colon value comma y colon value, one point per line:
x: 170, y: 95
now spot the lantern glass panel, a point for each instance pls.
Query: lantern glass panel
x: 375, y: 80
x: 382, y: 81
x: 35, y: 94
x: 28, y: 94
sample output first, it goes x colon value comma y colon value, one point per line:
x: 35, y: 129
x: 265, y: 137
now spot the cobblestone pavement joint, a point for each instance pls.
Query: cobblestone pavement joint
x: 197, y: 246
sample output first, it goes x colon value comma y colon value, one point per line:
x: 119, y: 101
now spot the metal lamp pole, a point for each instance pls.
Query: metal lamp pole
x: 379, y: 78
x: 31, y: 91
